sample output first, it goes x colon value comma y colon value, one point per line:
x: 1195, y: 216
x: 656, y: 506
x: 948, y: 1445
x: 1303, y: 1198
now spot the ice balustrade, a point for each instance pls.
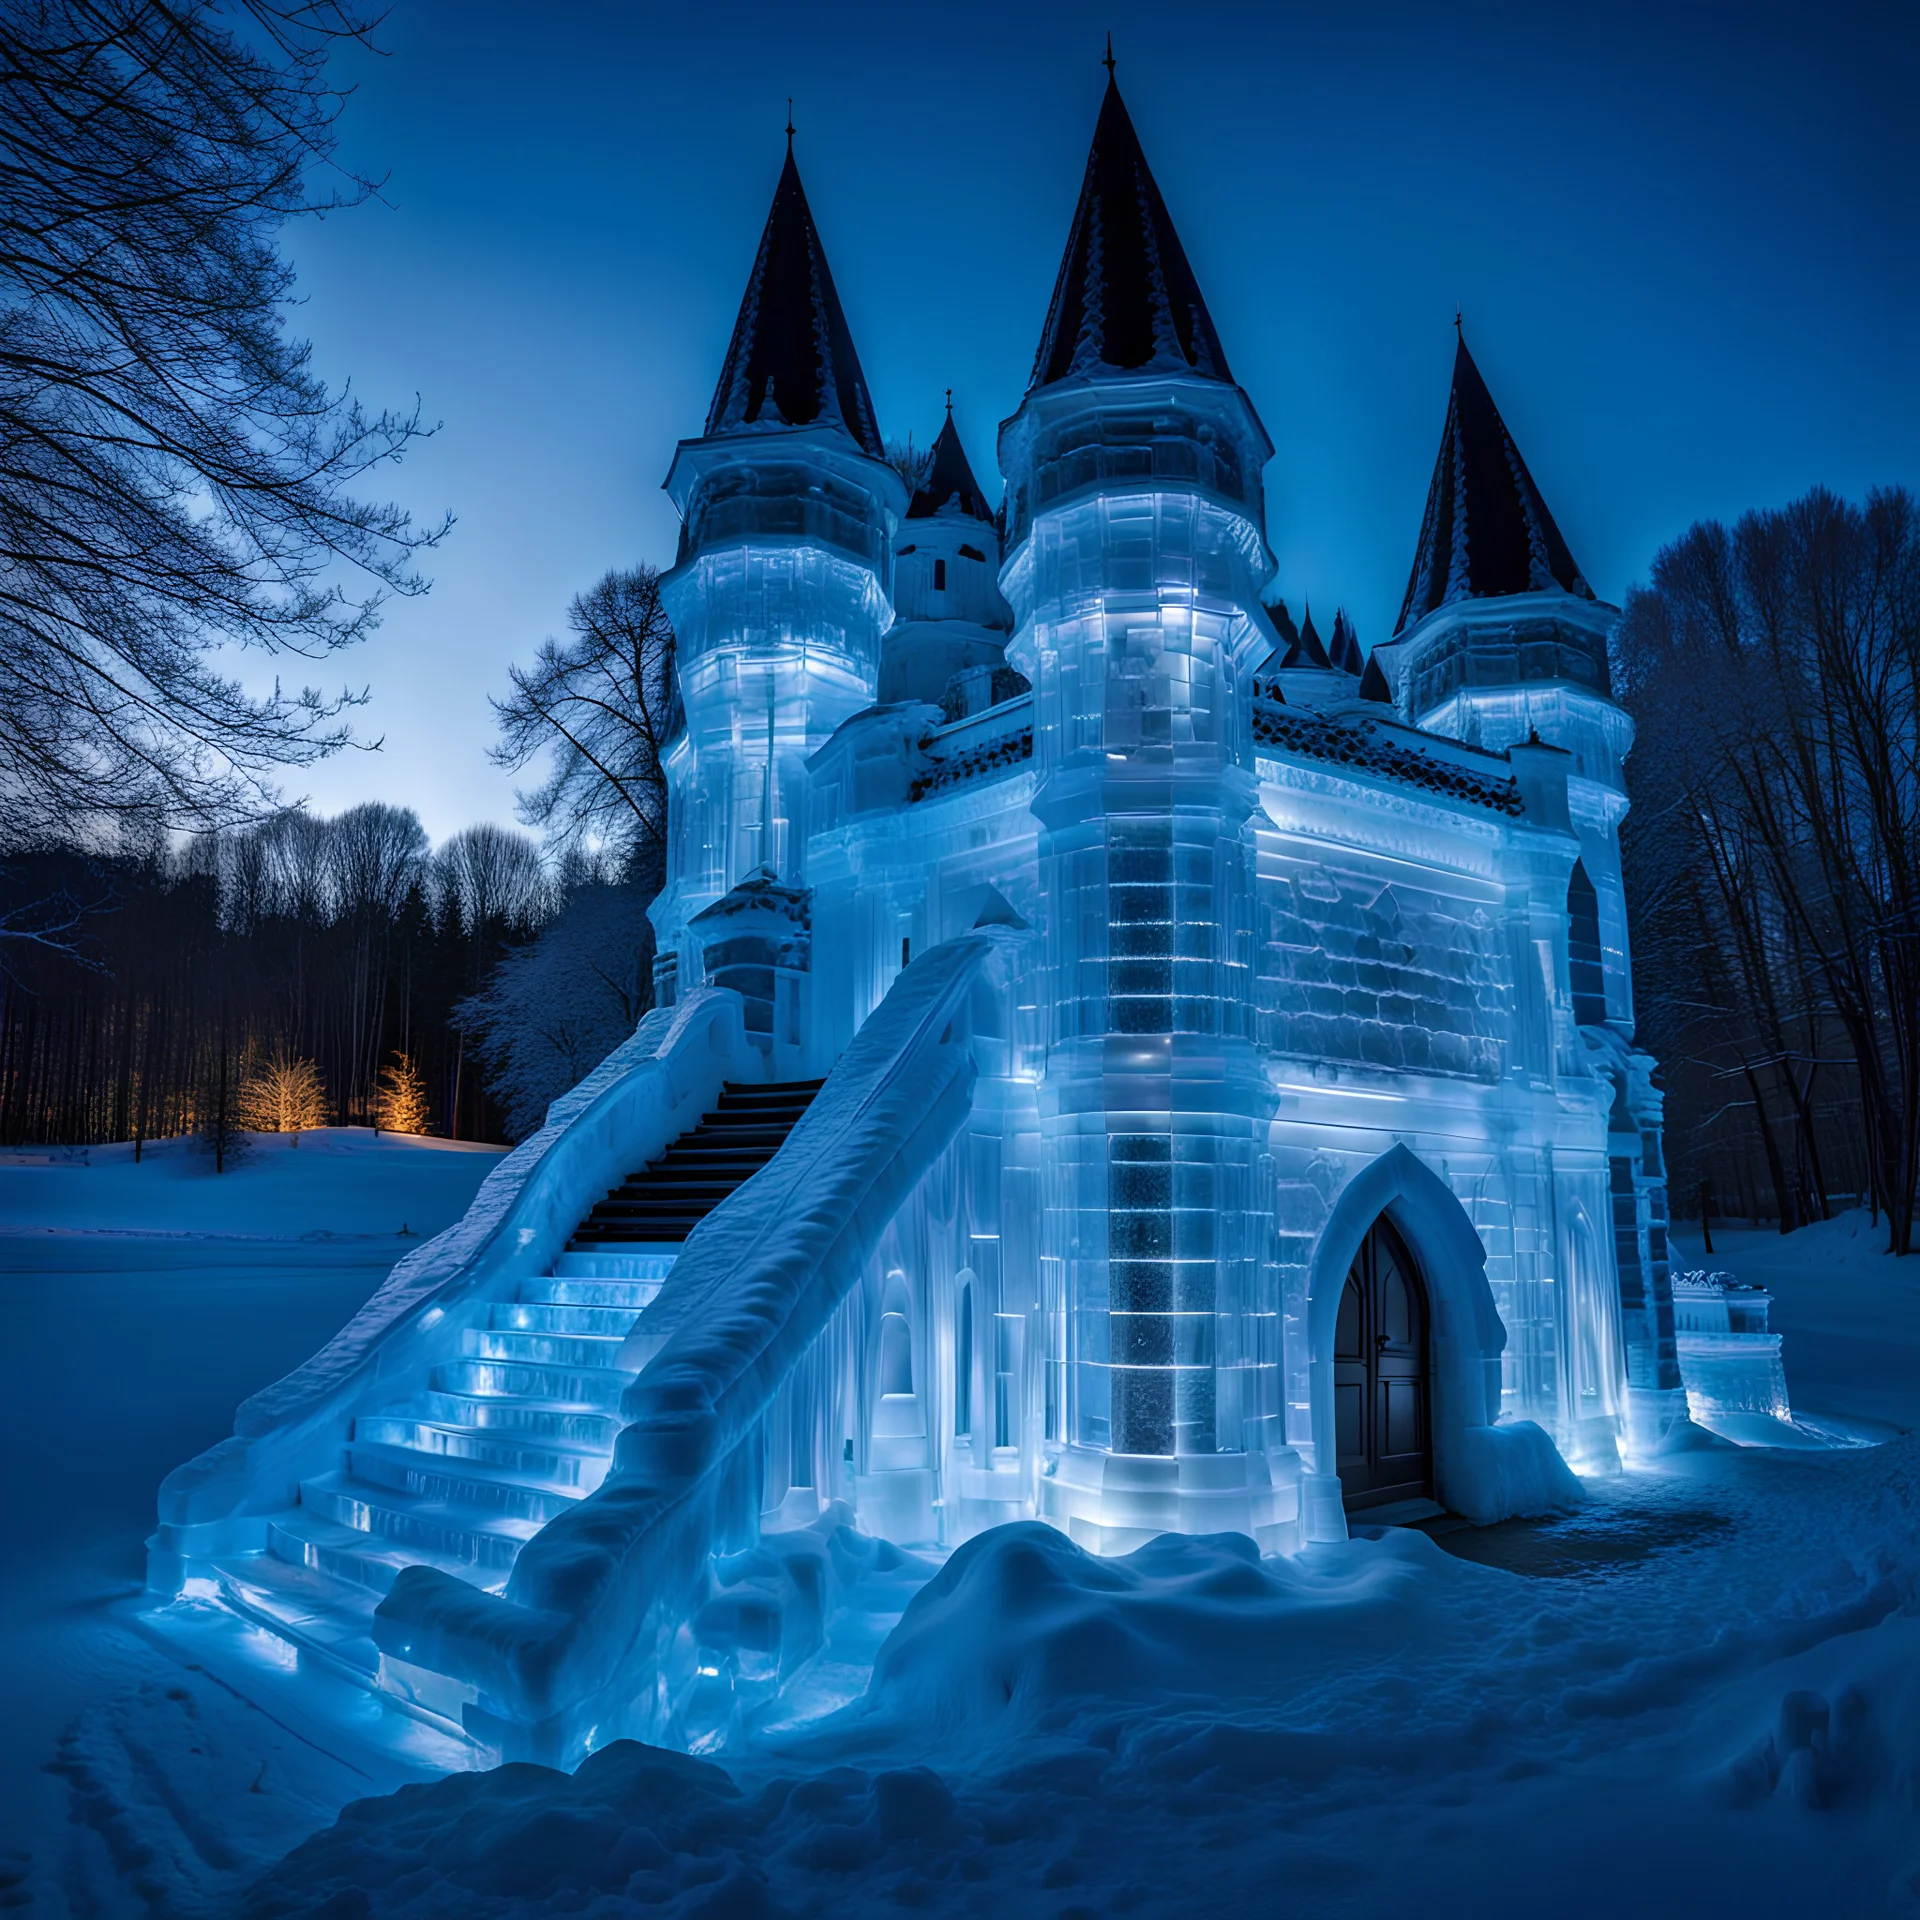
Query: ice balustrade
x: 644, y: 1094
x: 583, y: 1646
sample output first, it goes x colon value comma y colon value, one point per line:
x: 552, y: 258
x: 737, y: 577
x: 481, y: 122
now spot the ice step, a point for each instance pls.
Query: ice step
x: 586, y: 1387
x: 542, y: 1349
x: 641, y: 1263
x: 522, y: 1316
x: 634, y: 1295
x: 559, y: 1423
x: 309, y: 1609
x: 304, y: 1537
x: 474, y: 1540
x: 447, y: 1480
x: 520, y: 1454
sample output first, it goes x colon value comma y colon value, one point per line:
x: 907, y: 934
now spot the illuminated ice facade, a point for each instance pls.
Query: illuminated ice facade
x: 1230, y: 1117
x: 1302, y: 953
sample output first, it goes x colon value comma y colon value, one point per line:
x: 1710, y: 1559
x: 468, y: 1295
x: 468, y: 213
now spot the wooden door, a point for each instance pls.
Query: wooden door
x: 1382, y: 1415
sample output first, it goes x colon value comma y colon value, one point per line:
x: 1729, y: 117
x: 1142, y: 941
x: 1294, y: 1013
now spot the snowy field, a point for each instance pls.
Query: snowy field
x: 1699, y: 1696
x: 142, y: 1304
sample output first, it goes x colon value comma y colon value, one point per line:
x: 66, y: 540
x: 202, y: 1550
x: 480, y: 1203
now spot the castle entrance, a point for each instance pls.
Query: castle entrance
x: 1383, y: 1421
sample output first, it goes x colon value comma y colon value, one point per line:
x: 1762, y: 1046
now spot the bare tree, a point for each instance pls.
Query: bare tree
x: 283, y: 1096
x: 911, y: 463
x: 602, y: 702
x: 174, y: 477
x: 491, y: 880
x: 1774, y: 849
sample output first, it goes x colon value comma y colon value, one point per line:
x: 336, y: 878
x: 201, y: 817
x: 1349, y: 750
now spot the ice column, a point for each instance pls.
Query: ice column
x: 1134, y: 504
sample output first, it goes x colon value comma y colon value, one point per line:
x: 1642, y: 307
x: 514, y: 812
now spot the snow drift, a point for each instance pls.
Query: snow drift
x: 1020, y: 1627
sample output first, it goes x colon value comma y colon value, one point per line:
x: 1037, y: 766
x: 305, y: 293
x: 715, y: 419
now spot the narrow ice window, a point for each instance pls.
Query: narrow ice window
x: 1585, y: 975
x: 939, y: 576
x: 963, y: 1364
x: 896, y: 1354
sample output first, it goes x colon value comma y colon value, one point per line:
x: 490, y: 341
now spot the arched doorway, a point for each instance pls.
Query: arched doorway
x: 1383, y: 1415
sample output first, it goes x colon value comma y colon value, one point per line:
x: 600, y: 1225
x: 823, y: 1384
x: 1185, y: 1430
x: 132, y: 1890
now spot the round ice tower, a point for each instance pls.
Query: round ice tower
x: 779, y: 598
x: 1133, y: 521
x: 949, y: 617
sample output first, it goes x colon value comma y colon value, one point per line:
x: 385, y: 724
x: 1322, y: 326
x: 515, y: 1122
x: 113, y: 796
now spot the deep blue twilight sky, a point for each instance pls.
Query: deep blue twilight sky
x: 1683, y: 236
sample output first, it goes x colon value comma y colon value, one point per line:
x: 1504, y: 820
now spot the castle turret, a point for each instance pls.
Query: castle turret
x: 1134, y: 515
x: 1502, y: 642
x: 1500, y: 637
x: 781, y: 592
x: 950, y: 618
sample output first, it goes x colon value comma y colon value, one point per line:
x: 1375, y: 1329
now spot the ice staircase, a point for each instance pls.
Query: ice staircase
x: 513, y: 1432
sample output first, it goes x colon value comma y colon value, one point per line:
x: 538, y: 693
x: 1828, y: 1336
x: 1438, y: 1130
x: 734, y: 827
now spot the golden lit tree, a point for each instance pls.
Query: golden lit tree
x: 400, y: 1100
x: 284, y: 1096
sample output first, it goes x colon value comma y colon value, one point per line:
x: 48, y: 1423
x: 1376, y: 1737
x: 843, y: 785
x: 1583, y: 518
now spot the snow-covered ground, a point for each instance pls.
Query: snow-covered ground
x: 1700, y: 1695
x: 141, y: 1305
x: 332, y: 1183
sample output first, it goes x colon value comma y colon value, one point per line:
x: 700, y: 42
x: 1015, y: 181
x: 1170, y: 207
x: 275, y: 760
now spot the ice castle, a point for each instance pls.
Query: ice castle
x: 1111, y: 1064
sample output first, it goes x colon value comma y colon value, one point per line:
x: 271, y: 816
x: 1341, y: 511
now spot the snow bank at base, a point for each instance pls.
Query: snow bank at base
x: 1017, y: 1632
x: 639, y: 1824
x: 1509, y: 1472
x: 1021, y: 1627
x: 1191, y: 1729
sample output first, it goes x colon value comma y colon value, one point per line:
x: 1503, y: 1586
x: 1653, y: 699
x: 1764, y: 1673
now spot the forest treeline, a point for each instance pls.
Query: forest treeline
x: 1772, y: 855
x: 166, y: 978
x: 194, y: 967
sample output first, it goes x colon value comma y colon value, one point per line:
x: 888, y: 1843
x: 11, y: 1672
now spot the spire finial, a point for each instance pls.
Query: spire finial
x: 1458, y: 335
x: 789, y: 123
x: 1109, y: 62
x: 949, y: 403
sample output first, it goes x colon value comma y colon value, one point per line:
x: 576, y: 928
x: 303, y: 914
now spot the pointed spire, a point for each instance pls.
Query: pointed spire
x: 1283, y: 626
x: 1373, y: 683
x: 949, y: 481
x: 1487, y: 530
x: 1306, y: 650
x: 792, y: 361
x: 1343, y: 650
x: 1126, y: 300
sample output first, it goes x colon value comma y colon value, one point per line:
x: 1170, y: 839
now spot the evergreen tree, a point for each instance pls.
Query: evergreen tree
x: 400, y: 1104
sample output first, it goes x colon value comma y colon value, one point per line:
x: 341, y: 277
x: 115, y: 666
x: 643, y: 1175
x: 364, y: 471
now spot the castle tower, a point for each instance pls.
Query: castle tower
x: 950, y: 618
x: 1133, y: 519
x: 779, y: 599
x: 1501, y: 641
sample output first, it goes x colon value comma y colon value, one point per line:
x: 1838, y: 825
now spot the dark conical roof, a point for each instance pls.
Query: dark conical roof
x: 1126, y: 299
x: 792, y: 361
x: 949, y: 481
x: 1373, y: 683
x: 1306, y: 650
x: 1487, y: 530
x: 1343, y: 650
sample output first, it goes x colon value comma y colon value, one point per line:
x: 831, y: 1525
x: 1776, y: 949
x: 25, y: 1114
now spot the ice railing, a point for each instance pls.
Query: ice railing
x: 646, y: 1092
x: 580, y: 1649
